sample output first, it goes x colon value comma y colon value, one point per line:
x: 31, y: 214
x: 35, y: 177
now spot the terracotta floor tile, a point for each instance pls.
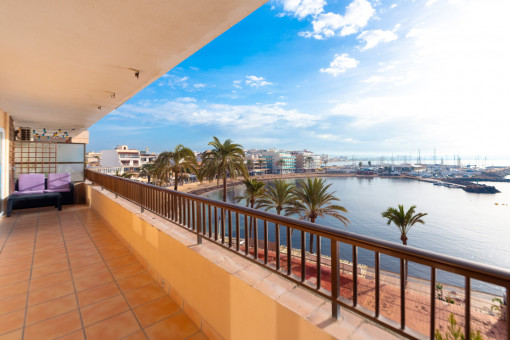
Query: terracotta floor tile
x: 50, y: 293
x: 74, y: 255
x: 96, y: 294
x: 135, y: 281
x: 14, y: 268
x: 49, y: 280
x: 45, y: 261
x: 14, y: 277
x: 76, y: 335
x: 16, y: 335
x: 22, y: 261
x: 84, y: 261
x: 103, y: 309
x: 89, y: 269
x: 140, y: 335
x: 50, y: 269
x: 51, y: 309
x: 144, y: 294
x: 198, y: 336
x: 59, y: 252
x: 12, y: 303
x: 121, y: 261
x: 93, y: 280
x: 54, y: 327
x: 113, y: 328
x: 155, y: 311
x: 13, y: 289
x: 177, y: 327
x: 12, y: 321
x: 127, y: 271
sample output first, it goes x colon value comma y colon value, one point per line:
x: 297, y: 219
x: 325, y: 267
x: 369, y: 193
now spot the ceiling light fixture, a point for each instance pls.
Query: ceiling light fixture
x: 137, y: 72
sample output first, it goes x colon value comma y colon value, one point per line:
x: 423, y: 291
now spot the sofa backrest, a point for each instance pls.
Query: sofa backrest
x: 30, y: 182
x: 59, y: 181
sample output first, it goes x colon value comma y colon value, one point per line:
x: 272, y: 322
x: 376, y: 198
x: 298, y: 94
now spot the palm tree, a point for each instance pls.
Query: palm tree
x: 254, y: 192
x: 260, y: 162
x: 224, y: 160
x: 278, y: 195
x: 174, y: 162
x: 281, y: 163
x: 404, y: 222
x: 199, y: 170
x: 249, y: 164
x: 313, y: 200
x: 147, y: 170
x: 308, y: 161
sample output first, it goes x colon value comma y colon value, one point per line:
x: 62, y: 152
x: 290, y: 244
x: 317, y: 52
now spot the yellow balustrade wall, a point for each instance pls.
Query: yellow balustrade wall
x: 223, y: 305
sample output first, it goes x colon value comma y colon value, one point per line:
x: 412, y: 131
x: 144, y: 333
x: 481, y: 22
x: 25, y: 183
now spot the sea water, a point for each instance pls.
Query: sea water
x: 471, y: 226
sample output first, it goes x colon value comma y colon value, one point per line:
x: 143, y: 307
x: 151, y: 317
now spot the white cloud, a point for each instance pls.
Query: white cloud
x: 340, y: 64
x: 335, y: 138
x: 174, y: 81
x: 326, y: 25
x: 237, y: 84
x: 415, y: 33
x: 190, y: 111
x: 303, y: 8
x: 393, y: 6
x: 373, y: 38
x: 199, y: 86
x: 255, y: 81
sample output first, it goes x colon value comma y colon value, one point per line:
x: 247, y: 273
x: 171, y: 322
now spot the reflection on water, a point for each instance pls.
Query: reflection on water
x: 467, y: 225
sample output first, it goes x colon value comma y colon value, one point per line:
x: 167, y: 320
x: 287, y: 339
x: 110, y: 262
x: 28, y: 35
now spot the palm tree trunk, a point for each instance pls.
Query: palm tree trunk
x: 311, y: 237
x: 175, y: 180
x: 252, y: 226
x: 404, y: 242
x: 224, y: 188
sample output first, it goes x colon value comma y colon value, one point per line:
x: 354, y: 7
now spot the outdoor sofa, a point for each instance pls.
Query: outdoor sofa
x: 34, y: 190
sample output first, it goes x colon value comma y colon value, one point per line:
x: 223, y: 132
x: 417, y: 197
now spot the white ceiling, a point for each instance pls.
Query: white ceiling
x: 61, y: 60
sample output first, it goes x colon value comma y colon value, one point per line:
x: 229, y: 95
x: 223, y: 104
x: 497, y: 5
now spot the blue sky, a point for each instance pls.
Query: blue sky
x: 337, y: 77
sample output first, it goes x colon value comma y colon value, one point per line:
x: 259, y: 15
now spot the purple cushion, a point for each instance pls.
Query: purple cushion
x: 59, y: 182
x: 28, y: 183
x: 57, y: 190
x: 26, y: 192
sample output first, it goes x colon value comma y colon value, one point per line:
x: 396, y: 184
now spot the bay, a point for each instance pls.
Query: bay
x: 466, y: 225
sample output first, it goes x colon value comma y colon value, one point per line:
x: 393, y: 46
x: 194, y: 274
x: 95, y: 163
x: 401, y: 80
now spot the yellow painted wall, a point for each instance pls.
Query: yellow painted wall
x: 228, y: 304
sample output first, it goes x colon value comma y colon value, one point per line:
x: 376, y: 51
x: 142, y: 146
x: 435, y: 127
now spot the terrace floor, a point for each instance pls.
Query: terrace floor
x: 65, y: 275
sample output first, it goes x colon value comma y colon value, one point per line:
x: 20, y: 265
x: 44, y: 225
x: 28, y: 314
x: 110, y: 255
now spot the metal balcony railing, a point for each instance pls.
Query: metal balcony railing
x: 233, y: 227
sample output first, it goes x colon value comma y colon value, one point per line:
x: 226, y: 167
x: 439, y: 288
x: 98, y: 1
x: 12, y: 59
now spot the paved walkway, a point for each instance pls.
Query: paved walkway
x: 65, y: 275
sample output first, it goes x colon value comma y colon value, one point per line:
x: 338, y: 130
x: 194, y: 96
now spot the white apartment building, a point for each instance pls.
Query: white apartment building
x: 123, y: 156
x: 307, y: 161
x: 255, y: 162
x: 93, y: 158
x: 279, y: 162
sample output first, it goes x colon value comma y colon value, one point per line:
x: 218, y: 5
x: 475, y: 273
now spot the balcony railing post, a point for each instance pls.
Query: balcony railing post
x: 141, y: 198
x: 199, y: 223
x: 432, y: 302
x: 467, y: 302
x: 507, y: 306
x: 335, y: 277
